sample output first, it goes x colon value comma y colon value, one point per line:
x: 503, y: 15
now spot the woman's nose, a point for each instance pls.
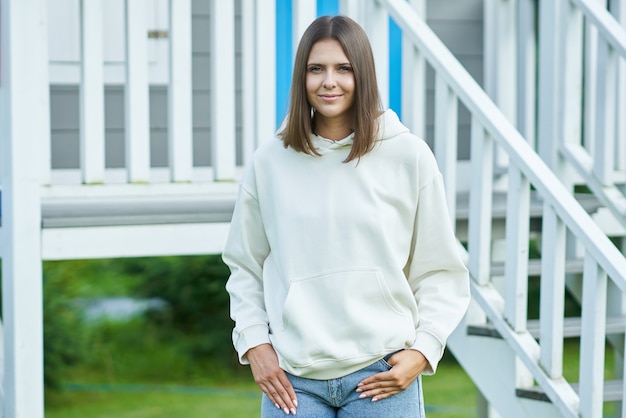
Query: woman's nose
x: 329, y: 82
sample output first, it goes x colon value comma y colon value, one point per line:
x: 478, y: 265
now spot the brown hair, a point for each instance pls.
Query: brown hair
x: 298, y: 128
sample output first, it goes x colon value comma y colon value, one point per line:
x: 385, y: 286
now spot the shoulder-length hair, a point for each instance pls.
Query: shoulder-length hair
x: 297, y: 130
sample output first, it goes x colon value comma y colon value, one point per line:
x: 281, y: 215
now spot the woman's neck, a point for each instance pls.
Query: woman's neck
x: 333, y: 130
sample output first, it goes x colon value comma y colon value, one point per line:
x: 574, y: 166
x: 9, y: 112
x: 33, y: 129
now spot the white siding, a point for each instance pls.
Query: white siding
x: 457, y: 22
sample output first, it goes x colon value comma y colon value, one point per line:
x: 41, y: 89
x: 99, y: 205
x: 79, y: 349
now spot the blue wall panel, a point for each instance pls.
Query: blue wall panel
x: 395, y: 68
x: 284, y: 57
x: 327, y: 7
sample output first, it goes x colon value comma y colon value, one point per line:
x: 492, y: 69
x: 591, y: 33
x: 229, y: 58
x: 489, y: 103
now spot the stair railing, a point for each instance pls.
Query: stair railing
x: 561, y: 214
x: 588, y: 60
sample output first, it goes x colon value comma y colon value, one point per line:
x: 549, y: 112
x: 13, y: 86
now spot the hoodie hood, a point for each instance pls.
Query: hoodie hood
x: 390, y: 127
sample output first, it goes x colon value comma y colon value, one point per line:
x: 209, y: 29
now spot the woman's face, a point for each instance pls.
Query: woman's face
x: 330, y: 81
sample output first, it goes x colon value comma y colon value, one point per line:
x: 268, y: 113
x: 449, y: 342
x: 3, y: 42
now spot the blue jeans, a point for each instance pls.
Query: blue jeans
x: 338, y: 398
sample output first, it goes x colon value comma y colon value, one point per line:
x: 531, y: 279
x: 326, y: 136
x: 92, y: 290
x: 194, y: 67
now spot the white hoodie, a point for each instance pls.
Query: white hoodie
x: 339, y: 264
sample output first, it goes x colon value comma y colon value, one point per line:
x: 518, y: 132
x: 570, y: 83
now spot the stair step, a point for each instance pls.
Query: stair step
x: 572, y: 266
x: 571, y: 328
x: 612, y: 391
x: 498, y: 205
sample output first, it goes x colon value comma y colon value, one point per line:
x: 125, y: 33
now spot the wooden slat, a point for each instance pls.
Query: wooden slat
x: 552, y: 299
x: 414, y: 81
x: 223, y: 89
x: 446, y: 125
x: 623, y: 391
x: 501, y: 63
x: 91, y: 93
x: 526, y: 69
x: 592, y: 339
x: 548, y: 83
x: 480, y: 203
x: 137, y: 119
x: 180, y: 132
x: 248, y: 78
x: 264, y: 70
x: 604, y: 153
x: 517, y: 234
x: 618, y: 9
x: 571, y: 101
x: 376, y: 24
x: 590, y: 67
x: 304, y: 12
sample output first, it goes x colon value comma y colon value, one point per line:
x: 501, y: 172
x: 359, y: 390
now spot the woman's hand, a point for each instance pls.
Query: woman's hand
x: 271, y: 378
x: 406, y: 367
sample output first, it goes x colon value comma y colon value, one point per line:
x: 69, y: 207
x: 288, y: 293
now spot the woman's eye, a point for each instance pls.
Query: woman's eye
x: 345, y: 68
x: 315, y: 69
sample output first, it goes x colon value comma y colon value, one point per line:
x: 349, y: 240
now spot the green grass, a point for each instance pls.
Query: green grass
x: 131, y: 375
x: 153, y: 404
x: 449, y: 394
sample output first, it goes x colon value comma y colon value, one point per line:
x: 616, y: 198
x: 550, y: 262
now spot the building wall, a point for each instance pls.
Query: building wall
x: 457, y: 22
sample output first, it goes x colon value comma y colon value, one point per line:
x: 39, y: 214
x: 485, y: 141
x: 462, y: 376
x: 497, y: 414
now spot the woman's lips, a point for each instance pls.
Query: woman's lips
x: 329, y: 97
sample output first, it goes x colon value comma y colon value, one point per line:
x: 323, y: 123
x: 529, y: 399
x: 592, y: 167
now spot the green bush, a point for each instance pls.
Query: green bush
x: 197, y: 302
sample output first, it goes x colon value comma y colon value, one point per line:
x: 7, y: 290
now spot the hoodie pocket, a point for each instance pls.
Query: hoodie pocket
x: 340, y: 315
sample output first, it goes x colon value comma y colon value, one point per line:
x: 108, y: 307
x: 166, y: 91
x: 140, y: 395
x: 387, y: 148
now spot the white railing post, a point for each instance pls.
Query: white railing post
x: 179, y: 126
x: 549, y: 73
x: 604, y: 157
x: 591, y: 77
x: 527, y: 73
x: 500, y: 80
x: 446, y: 127
x: 265, y: 70
x: 552, y: 299
x: 223, y: 89
x: 91, y: 92
x: 414, y: 82
x: 571, y: 101
x: 248, y: 78
x: 481, y: 195
x: 517, y: 238
x: 352, y: 8
x: 137, y: 118
x: 500, y: 65
x: 618, y: 8
x: 304, y: 12
x: 592, y: 339
x: 376, y: 24
x: 24, y: 123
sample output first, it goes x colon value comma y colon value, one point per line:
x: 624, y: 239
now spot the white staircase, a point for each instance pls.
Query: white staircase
x: 575, y: 120
x: 514, y: 188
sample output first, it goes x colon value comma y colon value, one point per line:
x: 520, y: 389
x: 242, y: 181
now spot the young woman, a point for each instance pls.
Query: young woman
x: 346, y: 278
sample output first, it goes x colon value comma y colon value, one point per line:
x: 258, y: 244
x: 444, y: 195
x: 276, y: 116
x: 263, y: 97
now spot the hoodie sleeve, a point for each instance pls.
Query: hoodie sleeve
x: 245, y: 252
x: 436, y: 273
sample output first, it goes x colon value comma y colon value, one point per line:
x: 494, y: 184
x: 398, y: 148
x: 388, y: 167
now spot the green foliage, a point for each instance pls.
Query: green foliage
x: 193, y: 288
x: 139, y: 351
x: 63, y: 335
